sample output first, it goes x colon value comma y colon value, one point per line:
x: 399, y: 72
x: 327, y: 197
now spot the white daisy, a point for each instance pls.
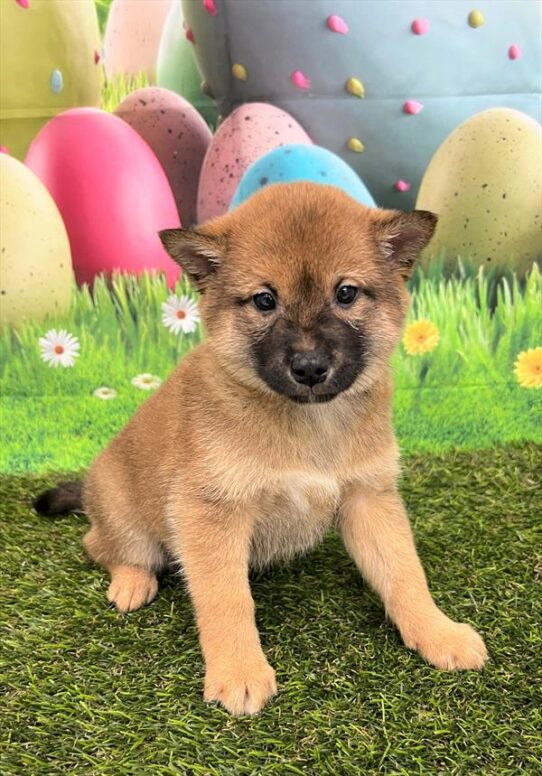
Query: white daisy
x: 146, y: 382
x: 180, y: 314
x: 59, y: 347
x: 104, y: 393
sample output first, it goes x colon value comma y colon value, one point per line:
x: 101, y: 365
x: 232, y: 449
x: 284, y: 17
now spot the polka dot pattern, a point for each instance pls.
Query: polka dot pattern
x: 382, y: 90
x: 56, y: 81
x: 355, y: 144
x: 337, y: 24
x: 355, y: 87
x: 300, y: 80
x: 476, y: 19
x: 38, y: 38
x: 210, y: 7
x: 413, y: 107
x: 421, y: 26
x: 239, y: 71
x: 515, y: 52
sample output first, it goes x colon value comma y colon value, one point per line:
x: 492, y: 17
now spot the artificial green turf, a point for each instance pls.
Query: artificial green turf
x: 91, y: 691
x: 464, y: 393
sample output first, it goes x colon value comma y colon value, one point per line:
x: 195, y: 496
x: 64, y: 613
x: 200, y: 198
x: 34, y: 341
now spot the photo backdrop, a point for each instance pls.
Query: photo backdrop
x: 119, y: 119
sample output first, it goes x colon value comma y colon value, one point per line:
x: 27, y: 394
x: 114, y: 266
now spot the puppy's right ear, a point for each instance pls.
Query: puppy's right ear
x: 198, y: 253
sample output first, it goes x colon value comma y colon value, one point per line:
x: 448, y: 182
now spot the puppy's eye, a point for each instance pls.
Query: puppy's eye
x: 346, y: 295
x: 264, y: 301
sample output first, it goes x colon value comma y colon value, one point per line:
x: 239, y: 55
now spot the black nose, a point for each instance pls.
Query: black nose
x: 310, y: 367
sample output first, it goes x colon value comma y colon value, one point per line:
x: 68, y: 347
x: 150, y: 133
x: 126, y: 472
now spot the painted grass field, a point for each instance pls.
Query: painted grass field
x: 463, y: 392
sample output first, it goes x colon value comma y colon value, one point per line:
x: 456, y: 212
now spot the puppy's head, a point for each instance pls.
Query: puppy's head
x: 303, y: 289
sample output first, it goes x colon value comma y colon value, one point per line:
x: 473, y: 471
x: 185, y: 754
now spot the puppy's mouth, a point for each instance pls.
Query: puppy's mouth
x: 319, y: 393
x: 311, y: 396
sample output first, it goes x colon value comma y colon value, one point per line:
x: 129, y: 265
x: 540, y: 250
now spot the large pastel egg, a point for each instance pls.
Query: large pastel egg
x: 111, y: 191
x: 176, y: 68
x: 349, y: 91
x: 485, y: 183
x: 301, y: 163
x: 47, y: 64
x: 36, y: 276
x: 178, y: 136
x: 132, y: 36
x: 248, y: 133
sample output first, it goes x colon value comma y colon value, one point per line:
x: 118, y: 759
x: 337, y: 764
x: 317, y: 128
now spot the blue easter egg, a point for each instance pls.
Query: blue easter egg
x: 290, y: 163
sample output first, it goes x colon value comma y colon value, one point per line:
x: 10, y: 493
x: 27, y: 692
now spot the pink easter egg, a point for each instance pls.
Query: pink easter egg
x: 300, y: 80
x: 337, y: 24
x: 177, y: 134
x: 24, y: 3
x: 420, y: 26
x: 248, y: 133
x: 412, y: 107
x: 401, y: 185
x: 515, y: 52
x: 111, y: 191
x: 132, y: 36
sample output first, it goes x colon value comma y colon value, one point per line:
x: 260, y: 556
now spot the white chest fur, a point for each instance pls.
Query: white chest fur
x: 295, y: 514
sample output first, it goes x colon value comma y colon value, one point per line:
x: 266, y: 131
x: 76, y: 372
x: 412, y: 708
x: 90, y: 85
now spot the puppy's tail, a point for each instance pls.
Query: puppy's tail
x: 62, y: 500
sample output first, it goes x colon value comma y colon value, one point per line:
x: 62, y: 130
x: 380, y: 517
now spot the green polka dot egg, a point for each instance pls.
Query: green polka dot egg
x: 485, y: 184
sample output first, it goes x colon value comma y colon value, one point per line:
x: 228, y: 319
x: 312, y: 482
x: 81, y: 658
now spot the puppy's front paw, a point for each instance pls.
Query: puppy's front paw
x: 242, y: 687
x: 447, y: 644
x: 131, y: 588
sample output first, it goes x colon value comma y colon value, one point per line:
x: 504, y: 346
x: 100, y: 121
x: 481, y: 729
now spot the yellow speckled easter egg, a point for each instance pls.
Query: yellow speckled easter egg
x: 49, y: 61
x: 485, y: 184
x: 36, y: 276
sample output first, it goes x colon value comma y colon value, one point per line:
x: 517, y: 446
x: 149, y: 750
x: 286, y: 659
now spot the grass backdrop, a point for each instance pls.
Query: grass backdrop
x: 463, y: 393
x: 88, y: 691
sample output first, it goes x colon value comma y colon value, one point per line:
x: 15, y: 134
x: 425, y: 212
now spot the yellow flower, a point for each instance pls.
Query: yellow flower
x: 420, y: 337
x: 528, y: 368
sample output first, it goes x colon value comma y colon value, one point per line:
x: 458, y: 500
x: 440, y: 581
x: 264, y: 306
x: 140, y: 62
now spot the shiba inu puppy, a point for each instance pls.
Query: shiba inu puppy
x: 272, y: 431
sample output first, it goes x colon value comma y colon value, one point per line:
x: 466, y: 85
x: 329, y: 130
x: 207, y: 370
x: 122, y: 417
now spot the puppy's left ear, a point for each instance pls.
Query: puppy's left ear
x: 402, y: 236
x: 198, y: 252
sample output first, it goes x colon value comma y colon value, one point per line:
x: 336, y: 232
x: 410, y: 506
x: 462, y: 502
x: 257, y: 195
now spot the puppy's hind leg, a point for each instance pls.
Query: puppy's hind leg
x: 120, y: 539
x: 132, y: 585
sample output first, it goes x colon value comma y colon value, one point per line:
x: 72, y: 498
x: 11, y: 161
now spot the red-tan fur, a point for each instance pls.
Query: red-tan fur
x: 219, y: 472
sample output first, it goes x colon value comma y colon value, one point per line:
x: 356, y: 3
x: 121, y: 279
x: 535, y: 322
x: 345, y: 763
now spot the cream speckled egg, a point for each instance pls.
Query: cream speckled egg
x: 248, y: 133
x: 485, y: 184
x: 36, y: 276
